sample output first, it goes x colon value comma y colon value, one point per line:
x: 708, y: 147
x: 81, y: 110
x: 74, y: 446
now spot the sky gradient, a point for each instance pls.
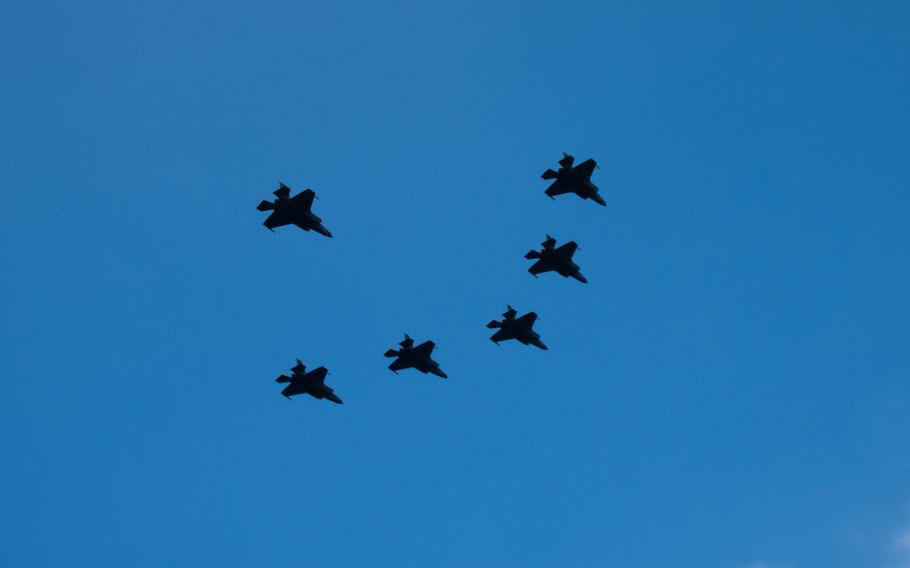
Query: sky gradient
x: 730, y: 390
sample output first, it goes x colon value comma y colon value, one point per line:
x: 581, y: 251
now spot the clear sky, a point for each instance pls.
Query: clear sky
x: 730, y: 390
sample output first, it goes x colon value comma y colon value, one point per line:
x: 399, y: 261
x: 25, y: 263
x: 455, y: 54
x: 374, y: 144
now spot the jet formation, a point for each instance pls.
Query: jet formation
x: 297, y: 210
x: 575, y: 180
x: 555, y: 259
x: 417, y: 357
x: 312, y: 383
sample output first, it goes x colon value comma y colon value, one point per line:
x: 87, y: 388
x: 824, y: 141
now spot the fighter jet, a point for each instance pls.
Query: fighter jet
x: 312, y: 383
x: 575, y: 180
x: 416, y: 357
x: 516, y: 328
x: 558, y: 259
x: 295, y: 210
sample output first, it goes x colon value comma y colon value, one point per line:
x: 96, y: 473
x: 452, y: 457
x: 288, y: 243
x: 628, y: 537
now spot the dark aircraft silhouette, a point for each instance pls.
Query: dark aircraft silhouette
x: 312, y: 383
x: 558, y: 259
x: 516, y: 328
x: 416, y: 357
x: 575, y: 180
x: 295, y: 210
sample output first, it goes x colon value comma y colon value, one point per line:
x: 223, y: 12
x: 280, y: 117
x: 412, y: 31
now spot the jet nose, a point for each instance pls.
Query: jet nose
x: 439, y: 373
x: 581, y: 278
x: 599, y: 199
x: 540, y: 344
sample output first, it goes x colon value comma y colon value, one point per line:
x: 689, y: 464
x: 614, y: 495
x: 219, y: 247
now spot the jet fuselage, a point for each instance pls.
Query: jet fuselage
x: 584, y: 188
x: 306, y: 220
x: 523, y: 334
x: 301, y: 385
x: 422, y: 364
x: 564, y: 266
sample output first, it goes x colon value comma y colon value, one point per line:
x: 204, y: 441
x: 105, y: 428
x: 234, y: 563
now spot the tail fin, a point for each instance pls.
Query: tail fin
x: 283, y: 191
x: 265, y: 205
x: 532, y: 254
x: 391, y: 353
x: 494, y: 324
x: 283, y: 379
x: 549, y: 174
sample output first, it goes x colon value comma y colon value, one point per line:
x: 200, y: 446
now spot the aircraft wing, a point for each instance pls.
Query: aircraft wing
x: 558, y: 187
x: 304, y: 199
x: 318, y: 374
x: 586, y: 168
x: 399, y: 364
x: 528, y: 319
x: 568, y: 249
x: 294, y: 388
x: 277, y: 219
x: 501, y: 335
x: 539, y: 266
x: 425, y: 349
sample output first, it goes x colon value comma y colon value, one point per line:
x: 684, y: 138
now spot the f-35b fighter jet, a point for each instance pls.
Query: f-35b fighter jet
x: 312, y: 383
x: 287, y: 210
x: 575, y: 180
x: 417, y: 357
x: 516, y: 328
x: 559, y: 259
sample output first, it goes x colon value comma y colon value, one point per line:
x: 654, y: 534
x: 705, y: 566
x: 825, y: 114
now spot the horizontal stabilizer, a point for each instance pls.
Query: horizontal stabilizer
x: 391, y: 353
x: 494, y: 324
x: 532, y: 254
x: 283, y: 379
x: 549, y: 174
x: 265, y: 205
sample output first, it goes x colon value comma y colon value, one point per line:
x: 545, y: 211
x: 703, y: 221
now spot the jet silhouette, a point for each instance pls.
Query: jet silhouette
x: 312, y: 383
x: 295, y: 210
x: 516, y: 328
x: 416, y: 357
x: 559, y: 259
x: 575, y: 180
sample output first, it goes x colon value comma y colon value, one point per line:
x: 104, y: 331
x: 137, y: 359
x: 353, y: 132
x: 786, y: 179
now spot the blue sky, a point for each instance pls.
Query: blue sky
x: 729, y: 391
